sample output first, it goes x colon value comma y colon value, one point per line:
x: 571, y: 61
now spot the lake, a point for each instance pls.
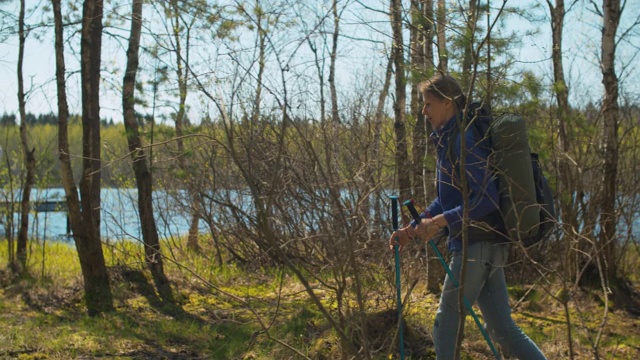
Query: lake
x: 119, y: 216
x: 120, y: 220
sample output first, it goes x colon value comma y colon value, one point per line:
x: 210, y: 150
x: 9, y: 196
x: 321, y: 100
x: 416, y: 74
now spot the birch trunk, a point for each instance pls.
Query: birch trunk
x: 610, y: 109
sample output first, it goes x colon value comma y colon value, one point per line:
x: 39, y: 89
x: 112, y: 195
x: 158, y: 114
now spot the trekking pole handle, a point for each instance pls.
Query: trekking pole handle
x: 394, y: 212
x: 412, y: 210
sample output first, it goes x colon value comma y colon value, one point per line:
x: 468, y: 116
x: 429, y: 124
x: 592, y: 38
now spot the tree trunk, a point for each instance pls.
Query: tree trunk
x: 29, y: 157
x: 567, y: 183
x: 330, y: 126
x: 423, y: 66
x: 608, y: 217
x: 402, y: 156
x: 420, y: 33
x: 567, y: 188
x: 376, y: 173
x: 8, y: 216
x: 182, y: 73
x: 68, y: 182
x: 443, y: 56
x: 85, y: 226
x: 98, y: 291
x: 468, y: 40
x: 153, y: 255
x: 335, y: 115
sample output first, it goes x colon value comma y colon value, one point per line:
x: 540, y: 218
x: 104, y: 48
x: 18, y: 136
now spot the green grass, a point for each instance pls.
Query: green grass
x: 237, y: 313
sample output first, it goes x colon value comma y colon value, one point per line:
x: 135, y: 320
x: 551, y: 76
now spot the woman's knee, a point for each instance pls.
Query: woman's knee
x: 506, y: 333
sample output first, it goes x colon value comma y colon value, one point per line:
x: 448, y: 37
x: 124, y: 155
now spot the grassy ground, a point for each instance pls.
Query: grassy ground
x: 231, y: 313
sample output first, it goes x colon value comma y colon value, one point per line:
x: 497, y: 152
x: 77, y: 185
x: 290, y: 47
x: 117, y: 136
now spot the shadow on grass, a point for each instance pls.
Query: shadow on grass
x: 188, y: 336
x: 139, y: 284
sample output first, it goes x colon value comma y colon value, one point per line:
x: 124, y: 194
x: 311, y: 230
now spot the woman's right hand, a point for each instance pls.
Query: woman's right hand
x: 400, y: 237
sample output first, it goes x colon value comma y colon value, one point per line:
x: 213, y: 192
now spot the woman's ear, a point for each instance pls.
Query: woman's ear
x: 448, y: 103
x: 450, y: 106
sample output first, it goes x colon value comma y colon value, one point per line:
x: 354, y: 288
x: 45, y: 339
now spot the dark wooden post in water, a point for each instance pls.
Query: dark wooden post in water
x: 44, y: 206
x: 54, y: 206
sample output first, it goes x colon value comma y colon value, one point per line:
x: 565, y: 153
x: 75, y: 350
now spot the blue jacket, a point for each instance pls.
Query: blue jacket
x: 483, y: 200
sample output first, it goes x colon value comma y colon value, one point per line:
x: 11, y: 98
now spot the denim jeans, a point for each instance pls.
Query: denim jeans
x: 486, y: 285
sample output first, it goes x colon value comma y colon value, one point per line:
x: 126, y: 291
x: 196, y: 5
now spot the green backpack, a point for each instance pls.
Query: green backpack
x: 526, y: 200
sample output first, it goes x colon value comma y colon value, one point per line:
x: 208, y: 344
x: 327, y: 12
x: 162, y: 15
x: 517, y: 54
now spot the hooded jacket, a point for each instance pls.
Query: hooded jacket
x: 483, y: 199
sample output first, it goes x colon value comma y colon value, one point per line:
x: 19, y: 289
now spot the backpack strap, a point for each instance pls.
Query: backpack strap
x: 479, y: 117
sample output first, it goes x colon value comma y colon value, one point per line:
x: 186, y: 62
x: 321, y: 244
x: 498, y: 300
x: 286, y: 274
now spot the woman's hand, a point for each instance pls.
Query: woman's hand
x: 401, y: 237
x: 426, y: 229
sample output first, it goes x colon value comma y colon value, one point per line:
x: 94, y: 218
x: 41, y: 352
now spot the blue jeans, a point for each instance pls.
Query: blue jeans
x: 486, y: 285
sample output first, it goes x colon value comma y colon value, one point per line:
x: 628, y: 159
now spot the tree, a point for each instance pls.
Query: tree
x: 561, y: 91
x: 144, y: 182
x: 4, y: 15
x: 610, y: 110
x: 482, y: 51
x: 566, y: 171
x: 403, y: 167
x: 422, y: 65
x: 29, y: 157
x: 8, y: 197
x: 181, y: 26
x: 470, y: 14
x: 84, y: 214
x: 182, y: 20
x: 441, y: 21
x: 7, y: 119
x: 421, y: 47
x: 335, y: 115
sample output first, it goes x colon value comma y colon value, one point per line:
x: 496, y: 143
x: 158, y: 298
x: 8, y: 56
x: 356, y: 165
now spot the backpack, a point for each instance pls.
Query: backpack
x: 526, y: 206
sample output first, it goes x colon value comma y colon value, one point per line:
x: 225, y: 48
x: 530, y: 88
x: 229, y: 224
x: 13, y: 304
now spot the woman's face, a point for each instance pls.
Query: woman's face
x: 438, y: 111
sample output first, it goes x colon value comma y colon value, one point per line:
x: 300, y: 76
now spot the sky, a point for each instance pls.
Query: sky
x: 581, y: 56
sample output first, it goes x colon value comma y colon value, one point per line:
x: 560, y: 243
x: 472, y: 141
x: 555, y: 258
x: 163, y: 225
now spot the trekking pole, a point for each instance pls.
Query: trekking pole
x: 396, y: 252
x: 416, y: 217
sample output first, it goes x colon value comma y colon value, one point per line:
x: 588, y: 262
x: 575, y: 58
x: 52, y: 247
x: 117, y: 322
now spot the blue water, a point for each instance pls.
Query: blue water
x: 120, y: 220
x: 119, y: 216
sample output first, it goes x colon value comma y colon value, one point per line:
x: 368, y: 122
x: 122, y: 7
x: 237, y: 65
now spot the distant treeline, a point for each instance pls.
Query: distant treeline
x: 52, y: 119
x: 43, y: 138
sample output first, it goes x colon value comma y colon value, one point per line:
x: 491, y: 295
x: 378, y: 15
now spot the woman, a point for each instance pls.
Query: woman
x: 487, y: 250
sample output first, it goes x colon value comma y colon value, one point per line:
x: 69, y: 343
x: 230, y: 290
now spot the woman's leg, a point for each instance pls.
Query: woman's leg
x: 445, y: 327
x: 493, y: 301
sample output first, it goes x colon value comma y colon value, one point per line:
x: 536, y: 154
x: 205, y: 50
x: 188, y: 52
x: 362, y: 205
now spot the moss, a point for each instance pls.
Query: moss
x: 210, y: 324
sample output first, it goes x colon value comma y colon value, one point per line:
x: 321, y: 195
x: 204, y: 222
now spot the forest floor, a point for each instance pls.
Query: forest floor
x: 234, y: 313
